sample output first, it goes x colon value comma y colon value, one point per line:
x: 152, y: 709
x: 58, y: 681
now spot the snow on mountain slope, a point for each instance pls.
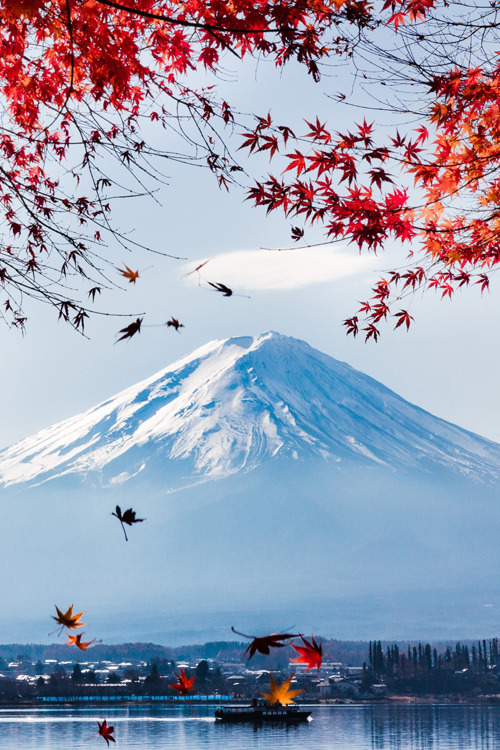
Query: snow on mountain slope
x: 233, y: 404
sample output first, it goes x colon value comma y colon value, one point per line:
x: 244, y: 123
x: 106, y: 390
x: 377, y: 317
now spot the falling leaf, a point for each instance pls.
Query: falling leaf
x: 106, y: 731
x: 76, y: 640
x: 174, y: 323
x: 281, y: 693
x: 132, y: 276
x: 184, y: 684
x: 263, y: 644
x: 198, y: 268
x: 127, y: 517
x: 130, y: 330
x: 310, y: 653
x: 68, y: 619
x: 225, y: 290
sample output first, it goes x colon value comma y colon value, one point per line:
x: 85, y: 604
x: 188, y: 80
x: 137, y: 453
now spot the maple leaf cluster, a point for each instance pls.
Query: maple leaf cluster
x: 77, y: 82
x: 72, y: 621
x: 356, y: 183
x: 310, y: 653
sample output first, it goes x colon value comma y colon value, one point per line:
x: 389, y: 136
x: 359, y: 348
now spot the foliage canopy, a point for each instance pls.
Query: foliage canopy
x: 80, y: 79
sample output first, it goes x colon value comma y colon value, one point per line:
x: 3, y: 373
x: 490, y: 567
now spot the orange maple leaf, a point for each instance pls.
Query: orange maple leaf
x: 184, y: 684
x: 68, y: 619
x: 106, y: 731
x: 76, y: 640
x: 127, y: 272
x: 281, y: 693
x: 310, y: 653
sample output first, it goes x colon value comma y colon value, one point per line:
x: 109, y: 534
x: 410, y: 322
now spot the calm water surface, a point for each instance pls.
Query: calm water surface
x: 343, y: 727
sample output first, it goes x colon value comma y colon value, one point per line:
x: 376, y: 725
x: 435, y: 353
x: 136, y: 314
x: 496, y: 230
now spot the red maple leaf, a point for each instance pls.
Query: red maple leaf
x: 403, y: 317
x: 311, y: 653
x: 184, y: 684
x: 266, y: 642
x: 484, y: 281
x: 106, y: 731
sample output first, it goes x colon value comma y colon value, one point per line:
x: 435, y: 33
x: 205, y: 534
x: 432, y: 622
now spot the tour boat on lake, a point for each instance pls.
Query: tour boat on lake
x: 261, y: 711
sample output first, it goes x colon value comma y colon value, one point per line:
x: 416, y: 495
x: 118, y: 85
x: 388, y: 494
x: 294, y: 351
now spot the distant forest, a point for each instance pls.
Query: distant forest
x: 383, y: 658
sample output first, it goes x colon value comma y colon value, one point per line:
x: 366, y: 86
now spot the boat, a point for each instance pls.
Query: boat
x: 261, y: 711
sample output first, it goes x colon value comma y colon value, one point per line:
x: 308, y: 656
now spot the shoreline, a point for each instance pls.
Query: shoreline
x: 399, y: 700
x: 409, y: 700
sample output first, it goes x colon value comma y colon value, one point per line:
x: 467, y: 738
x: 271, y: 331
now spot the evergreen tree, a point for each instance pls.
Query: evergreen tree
x: 428, y: 657
x: 153, y: 679
x: 378, y: 658
x: 202, y: 670
x: 39, y: 667
x: 494, y: 651
x: 389, y: 661
x: 402, y: 664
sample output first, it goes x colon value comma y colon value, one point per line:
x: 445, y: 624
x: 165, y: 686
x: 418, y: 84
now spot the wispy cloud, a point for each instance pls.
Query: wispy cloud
x: 268, y: 270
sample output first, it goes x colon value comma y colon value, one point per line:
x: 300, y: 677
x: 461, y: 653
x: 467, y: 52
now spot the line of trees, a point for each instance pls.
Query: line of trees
x: 420, y: 668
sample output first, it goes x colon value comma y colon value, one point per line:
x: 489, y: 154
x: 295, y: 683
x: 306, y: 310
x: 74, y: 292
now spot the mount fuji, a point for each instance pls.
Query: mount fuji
x: 278, y: 485
x: 232, y: 406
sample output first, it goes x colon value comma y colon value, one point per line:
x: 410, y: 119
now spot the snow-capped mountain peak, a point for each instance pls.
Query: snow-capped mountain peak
x: 233, y: 404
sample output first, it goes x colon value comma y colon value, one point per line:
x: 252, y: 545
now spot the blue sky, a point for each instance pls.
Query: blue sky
x: 447, y: 363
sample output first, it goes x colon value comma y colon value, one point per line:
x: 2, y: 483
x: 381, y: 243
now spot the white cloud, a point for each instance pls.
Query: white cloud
x: 268, y: 270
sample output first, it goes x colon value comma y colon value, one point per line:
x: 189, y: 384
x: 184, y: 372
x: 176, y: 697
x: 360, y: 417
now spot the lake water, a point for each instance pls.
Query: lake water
x: 347, y: 727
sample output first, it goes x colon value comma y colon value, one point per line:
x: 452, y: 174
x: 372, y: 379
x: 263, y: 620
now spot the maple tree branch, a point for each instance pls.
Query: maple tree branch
x: 180, y: 22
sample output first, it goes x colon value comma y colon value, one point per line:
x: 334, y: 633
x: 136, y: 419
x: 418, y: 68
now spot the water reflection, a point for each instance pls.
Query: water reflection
x: 432, y: 727
x: 379, y: 727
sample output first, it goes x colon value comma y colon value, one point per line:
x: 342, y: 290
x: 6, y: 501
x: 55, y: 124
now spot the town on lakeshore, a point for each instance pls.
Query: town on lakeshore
x: 350, y: 671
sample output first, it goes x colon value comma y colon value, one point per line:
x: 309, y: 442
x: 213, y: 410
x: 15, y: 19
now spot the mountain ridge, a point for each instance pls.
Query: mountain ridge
x: 234, y: 403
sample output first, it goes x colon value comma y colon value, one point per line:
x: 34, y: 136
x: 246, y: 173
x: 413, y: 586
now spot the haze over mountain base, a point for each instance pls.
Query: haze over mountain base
x: 330, y: 505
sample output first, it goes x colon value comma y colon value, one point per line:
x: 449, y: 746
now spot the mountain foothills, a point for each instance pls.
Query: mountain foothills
x: 278, y: 485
